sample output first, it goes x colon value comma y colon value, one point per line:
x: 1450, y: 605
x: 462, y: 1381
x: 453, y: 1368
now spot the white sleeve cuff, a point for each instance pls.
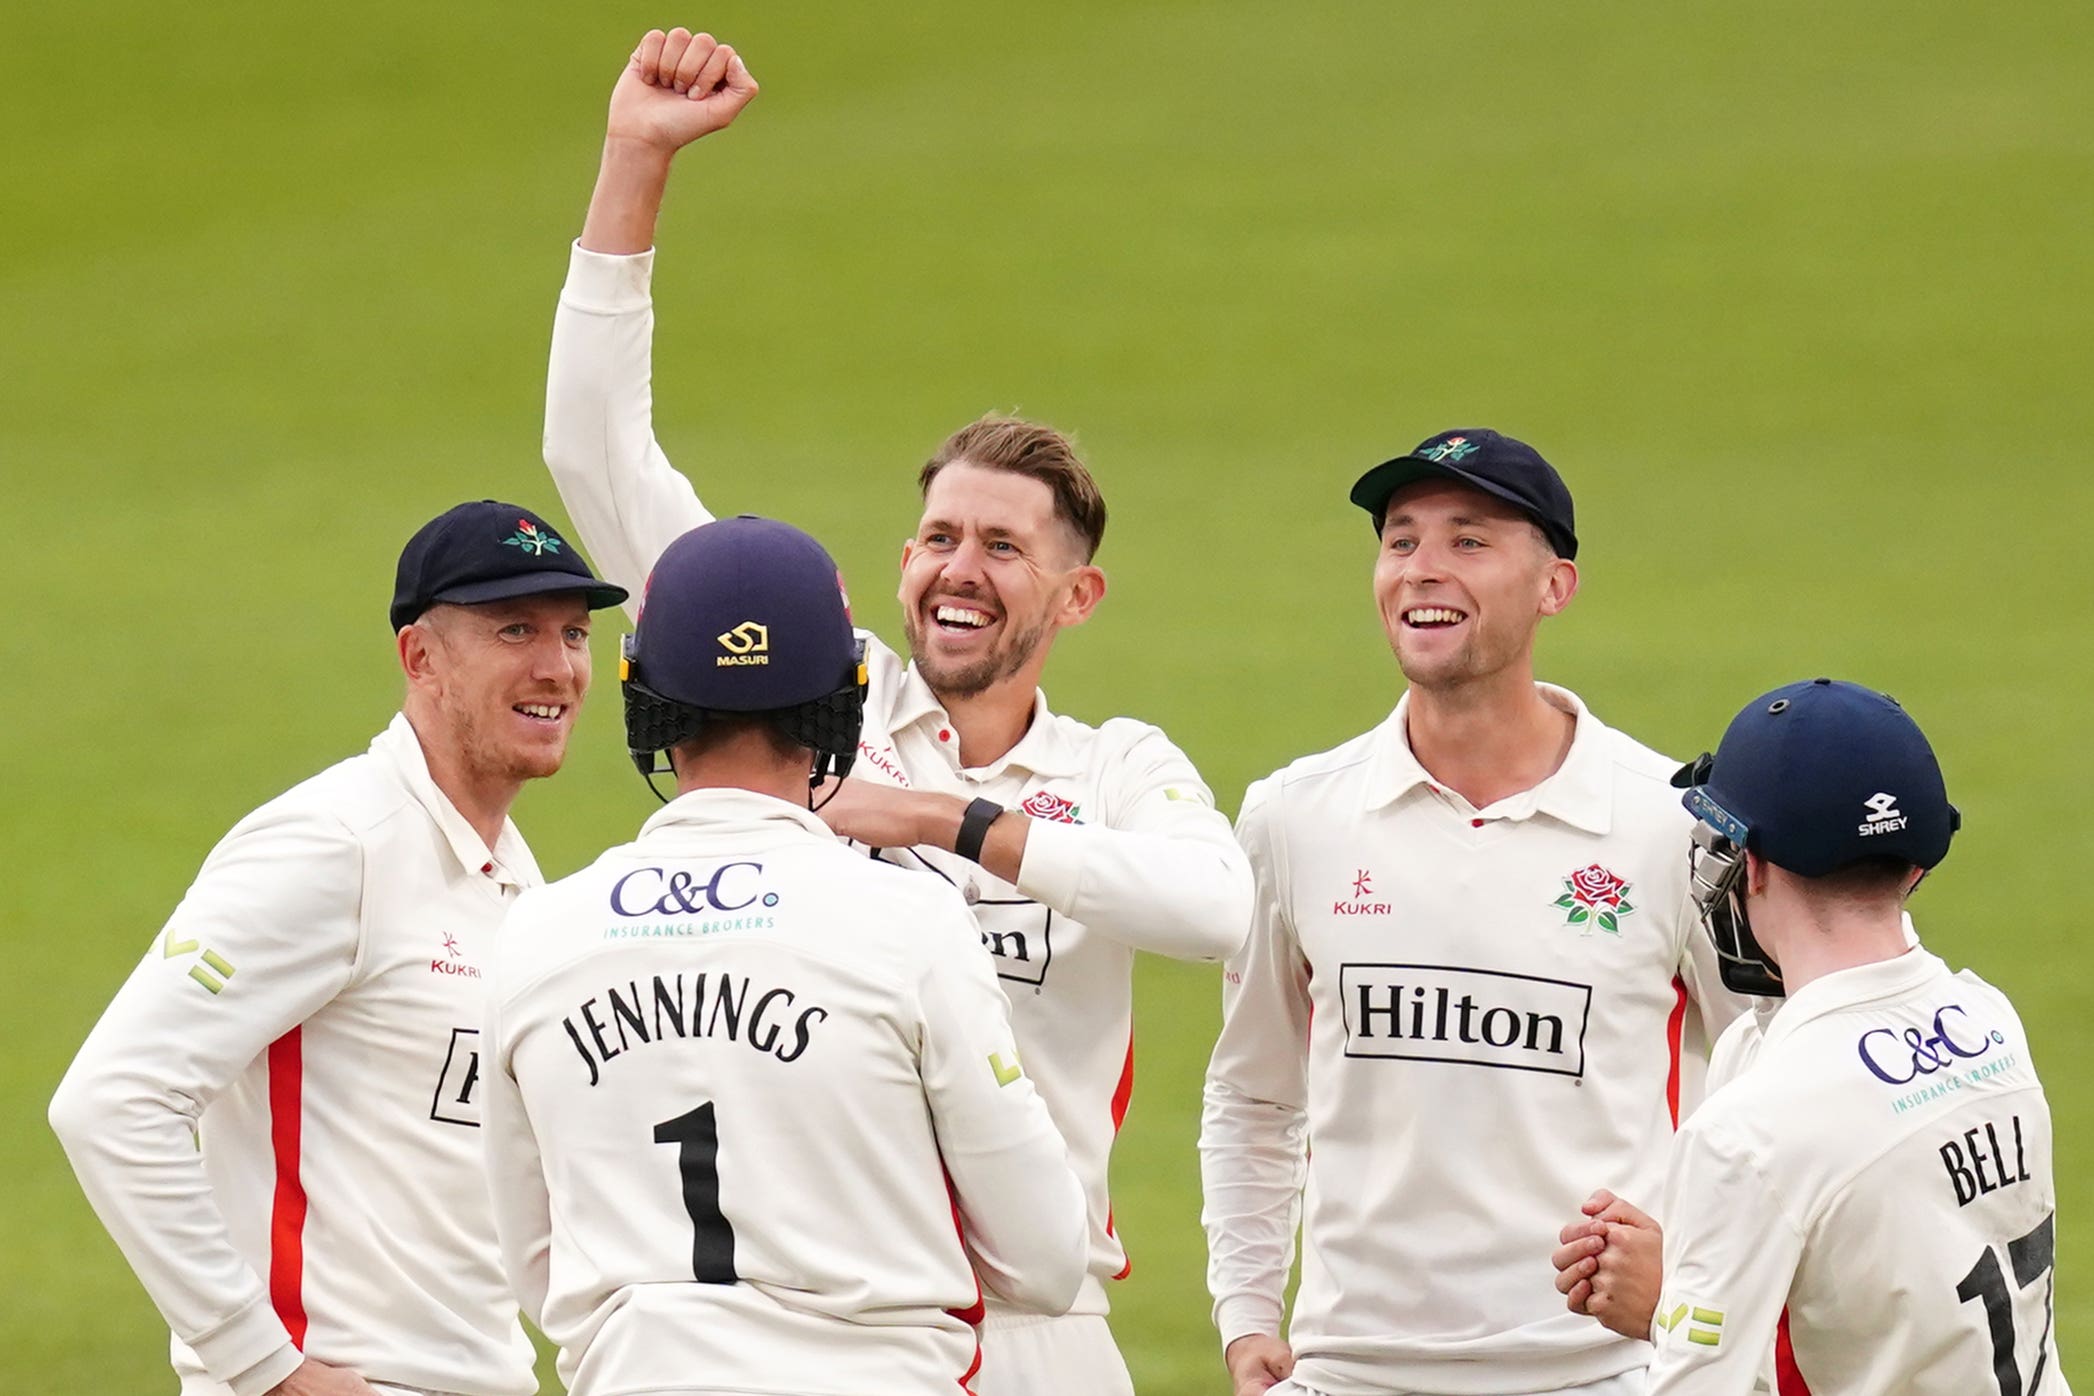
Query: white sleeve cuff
x: 1241, y: 1315
x: 1052, y: 867
x: 251, y: 1351
x: 269, y: 1373
x: 604, y: 283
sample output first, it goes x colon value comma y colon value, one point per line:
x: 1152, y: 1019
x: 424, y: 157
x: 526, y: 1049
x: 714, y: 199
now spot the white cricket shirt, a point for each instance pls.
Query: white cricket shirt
x: 312, y: 1011
x: 1126, y: 851
x: 1868, y: 1193
x: 746, y: 1088
x: 1448, y: 1027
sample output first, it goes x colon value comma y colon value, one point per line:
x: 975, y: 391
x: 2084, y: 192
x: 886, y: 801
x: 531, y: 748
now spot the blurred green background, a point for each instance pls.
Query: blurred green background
x: 1797, y: 296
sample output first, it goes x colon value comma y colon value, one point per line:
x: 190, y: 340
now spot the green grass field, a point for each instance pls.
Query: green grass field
x: 1795, y: 295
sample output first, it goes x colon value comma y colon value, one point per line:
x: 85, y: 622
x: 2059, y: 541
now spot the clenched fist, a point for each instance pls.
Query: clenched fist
x: 677, y: 87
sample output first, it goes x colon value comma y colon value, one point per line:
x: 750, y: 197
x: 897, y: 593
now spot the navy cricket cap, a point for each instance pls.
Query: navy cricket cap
x: 1483, y: 460
x: 490, y: 551
x: 744, y: 615
x: 1822, y: 774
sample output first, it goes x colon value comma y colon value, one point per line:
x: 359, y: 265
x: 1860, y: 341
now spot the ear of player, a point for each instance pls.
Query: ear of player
x: 1814, y: 777
x: 745, y: 616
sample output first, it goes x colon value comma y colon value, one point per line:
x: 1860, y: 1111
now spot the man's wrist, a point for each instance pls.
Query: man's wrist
x: 636, y: 155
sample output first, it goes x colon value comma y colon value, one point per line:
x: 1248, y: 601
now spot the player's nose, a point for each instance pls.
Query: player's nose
x: 553, y: 660
x: 963, y: 565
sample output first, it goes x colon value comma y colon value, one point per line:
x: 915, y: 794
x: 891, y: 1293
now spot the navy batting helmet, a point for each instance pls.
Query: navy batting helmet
x: 1813, y: 777
x: 745, y: 617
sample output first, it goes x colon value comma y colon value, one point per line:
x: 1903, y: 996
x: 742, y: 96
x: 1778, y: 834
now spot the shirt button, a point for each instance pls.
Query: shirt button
x: 945, y: 734
x: 971, y: 894
x: 487, y: 868
x: 1475, y: 824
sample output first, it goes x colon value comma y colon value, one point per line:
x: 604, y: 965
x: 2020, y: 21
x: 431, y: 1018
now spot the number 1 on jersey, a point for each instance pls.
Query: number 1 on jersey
x: 2031, y: 1256
x: 697, y: 1136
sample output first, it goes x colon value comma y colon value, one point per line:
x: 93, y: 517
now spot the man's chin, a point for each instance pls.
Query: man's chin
x: 957, y: 680
x: 537, y: 763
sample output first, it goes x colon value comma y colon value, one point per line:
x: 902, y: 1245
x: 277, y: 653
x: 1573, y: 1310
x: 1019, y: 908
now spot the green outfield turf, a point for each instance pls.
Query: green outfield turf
x: 1797, y: 296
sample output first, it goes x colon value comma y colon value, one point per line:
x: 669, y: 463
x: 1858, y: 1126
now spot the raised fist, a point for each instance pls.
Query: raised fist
x: 677, y: 87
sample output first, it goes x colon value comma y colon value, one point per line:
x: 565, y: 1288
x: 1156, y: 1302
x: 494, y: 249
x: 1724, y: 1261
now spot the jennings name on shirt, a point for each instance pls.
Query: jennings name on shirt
x: 714, y: 1004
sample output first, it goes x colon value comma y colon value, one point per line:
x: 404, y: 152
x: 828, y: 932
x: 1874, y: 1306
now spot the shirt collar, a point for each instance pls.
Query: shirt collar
x: 1580, y: 792
x: 1044, y: 750
x: 717, y: 807
x: 1845, y: 988
x: 509, y: 862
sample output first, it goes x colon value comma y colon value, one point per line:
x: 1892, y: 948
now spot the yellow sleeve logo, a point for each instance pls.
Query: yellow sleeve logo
x: 202, y: 974
x: 1704, y: 1326
x: 1006, y: 1072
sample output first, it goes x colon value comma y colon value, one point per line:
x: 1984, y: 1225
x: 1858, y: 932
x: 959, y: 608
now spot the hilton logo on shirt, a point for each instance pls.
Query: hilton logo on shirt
x: 1465, y: 1017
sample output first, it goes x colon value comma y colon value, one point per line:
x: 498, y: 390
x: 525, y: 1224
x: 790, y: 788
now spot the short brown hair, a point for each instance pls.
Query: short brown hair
x: 1031, y: 449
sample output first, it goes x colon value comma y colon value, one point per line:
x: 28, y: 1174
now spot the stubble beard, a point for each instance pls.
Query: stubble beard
x: 974, y: 677
x: 489, y: 759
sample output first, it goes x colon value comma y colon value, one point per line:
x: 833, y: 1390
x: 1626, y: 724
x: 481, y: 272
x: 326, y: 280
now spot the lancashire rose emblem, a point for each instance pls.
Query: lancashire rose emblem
x: 1044, y: 804
x: 532, y: 539
x: 1592, y: 896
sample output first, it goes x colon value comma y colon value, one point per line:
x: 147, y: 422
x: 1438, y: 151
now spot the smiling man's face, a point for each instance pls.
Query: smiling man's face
x: 1462, y: 581
x: 507, y: 678
x: 989, y: 578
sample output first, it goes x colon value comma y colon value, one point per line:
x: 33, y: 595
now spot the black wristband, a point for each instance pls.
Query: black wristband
x: 974, y: 829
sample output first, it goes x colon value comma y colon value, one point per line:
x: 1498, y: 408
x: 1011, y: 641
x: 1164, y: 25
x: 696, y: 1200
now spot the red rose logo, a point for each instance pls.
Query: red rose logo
x: 1043, y: 804
x: 1593, y: 896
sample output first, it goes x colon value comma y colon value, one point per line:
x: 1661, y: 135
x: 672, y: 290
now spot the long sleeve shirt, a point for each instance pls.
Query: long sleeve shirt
x: 1126, y: 851
x: 753, y: 1106
x: 1449, y: 1025
x: 1867, y: 1194
x: 311, y: 1013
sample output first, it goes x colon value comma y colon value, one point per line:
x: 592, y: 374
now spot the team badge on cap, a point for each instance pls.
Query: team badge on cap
x: 533, y: 539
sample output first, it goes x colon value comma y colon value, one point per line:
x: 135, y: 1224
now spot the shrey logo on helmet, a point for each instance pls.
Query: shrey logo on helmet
x: 1884, y: 816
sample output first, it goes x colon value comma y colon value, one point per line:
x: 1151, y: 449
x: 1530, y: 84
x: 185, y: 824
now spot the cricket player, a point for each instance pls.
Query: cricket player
x: 1471, y: 978
x: 311, y: 1012
x: 752, y: 1098
x: 1075, y: 845
x: 1867, y: 1196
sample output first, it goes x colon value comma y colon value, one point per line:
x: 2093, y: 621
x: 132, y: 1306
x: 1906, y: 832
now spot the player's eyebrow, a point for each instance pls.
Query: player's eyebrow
x: 948, y: 526
x: 1457, y: 520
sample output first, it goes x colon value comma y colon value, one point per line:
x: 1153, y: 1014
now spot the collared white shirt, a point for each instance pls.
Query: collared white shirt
x: 311, y: 1011
x: 1125, y: 853
x: 1868, y: 1193
x: 1449, y: 1025
x: 746, y: 1088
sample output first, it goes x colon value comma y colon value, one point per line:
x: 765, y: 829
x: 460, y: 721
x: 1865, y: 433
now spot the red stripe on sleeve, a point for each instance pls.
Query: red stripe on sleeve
x: 287, y: 1215
x: 1122, y: 1095
x: 1124, y: 1092
x: 972, y: 1314
x: 1674, y: 1027
x: 1787, y: 1379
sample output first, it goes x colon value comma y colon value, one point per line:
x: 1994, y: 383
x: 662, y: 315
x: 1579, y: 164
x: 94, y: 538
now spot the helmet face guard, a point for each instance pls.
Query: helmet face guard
x: 828, y: 725
x: 1716, y: 877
